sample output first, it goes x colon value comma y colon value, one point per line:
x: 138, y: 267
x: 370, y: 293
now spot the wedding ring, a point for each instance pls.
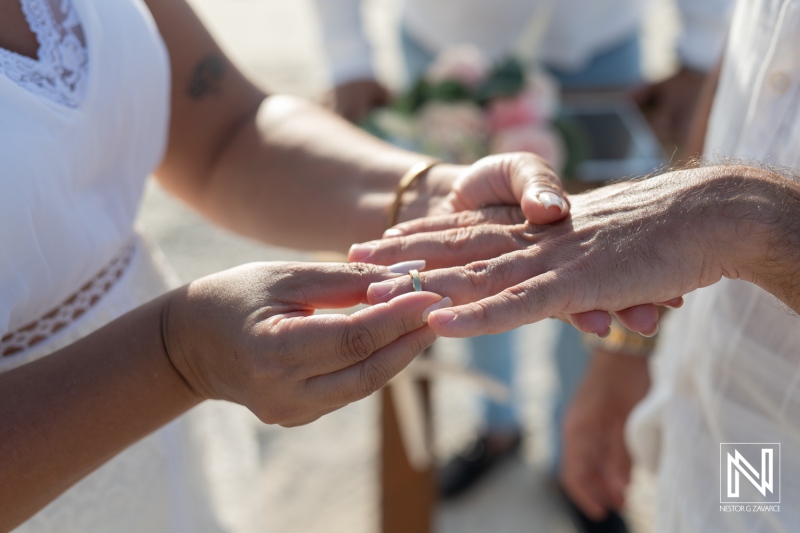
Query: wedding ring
x: 415, y: 281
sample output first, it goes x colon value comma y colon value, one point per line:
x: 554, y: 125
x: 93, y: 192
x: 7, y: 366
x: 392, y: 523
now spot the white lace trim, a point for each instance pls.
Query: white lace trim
x: 61, y: 71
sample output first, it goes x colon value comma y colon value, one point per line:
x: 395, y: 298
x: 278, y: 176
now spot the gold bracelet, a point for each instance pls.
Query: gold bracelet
x: 405, y: 183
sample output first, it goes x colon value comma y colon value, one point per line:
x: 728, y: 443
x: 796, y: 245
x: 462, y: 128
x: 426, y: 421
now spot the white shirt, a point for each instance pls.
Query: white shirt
x: 576, y: 30
x: 728, y: 370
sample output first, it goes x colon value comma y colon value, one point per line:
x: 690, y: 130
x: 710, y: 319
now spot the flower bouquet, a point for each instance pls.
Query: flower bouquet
x: 464, y: 108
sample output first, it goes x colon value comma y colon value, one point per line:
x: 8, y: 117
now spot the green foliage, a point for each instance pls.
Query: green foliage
x: 506, y: 78
x: 449, y: 91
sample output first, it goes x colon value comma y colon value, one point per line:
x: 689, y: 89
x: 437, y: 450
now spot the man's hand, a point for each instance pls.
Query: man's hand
x: 595, y: 469
x: 670, y: 105
x: 622, y: 246
x: 355, y: 99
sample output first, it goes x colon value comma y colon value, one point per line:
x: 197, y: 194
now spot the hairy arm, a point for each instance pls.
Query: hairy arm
x: 623, y: 245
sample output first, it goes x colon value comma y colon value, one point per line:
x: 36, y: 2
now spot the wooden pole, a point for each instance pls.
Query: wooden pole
x: 408, y: 497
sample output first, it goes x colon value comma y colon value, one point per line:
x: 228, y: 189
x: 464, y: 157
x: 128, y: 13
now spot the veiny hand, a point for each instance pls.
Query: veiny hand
x: 670, y: 104
x: 624, y: 245
x: 595, y: 468
x: 354, y: 100
x: 249, y: 335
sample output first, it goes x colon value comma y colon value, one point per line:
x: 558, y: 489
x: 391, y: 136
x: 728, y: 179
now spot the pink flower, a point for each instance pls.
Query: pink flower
x: 463, y: 63
x: 534, y: 106
x: 542, y: 141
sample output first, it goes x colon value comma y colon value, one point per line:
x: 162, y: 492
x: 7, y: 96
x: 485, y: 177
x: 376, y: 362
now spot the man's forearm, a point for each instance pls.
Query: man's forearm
x: 765, y: 215
x: 296, y: 175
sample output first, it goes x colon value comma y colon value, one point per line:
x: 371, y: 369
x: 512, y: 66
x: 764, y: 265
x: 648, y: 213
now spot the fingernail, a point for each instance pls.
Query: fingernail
x: 380, y: 289
x: 444, y: 316
x: 441, y: 304
x: 361, y: 252
x: 606, y: 334
x: 549, y: 199
x: 678, y: 305
x: 393, y: 232
x: 406, y: 266
x: 648, y: 335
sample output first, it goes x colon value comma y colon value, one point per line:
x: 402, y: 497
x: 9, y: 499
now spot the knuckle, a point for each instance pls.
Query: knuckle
x: 484, y: 313
x: 512, y: 215
x: 525, y: 234
x: 268, y: 370
x: 362, y: 270
x: 418, y: 346
x: 357, y: 343
x: 374, y: 375
x: 476, y: 274
x: 458, y: 239
x: 276, y: 414
x: 520, y: 298
x: 481, y: 274
x: 409, y: 323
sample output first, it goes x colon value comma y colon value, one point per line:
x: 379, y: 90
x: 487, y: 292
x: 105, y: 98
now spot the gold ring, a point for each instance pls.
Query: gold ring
x: 415, y: 281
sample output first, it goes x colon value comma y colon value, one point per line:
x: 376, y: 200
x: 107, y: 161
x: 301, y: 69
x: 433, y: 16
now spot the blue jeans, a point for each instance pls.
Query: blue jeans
x: 617, y: 66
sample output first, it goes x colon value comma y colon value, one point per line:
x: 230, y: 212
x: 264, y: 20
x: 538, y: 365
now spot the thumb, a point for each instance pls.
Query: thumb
x: 539, y: 190
x: 519, y: 178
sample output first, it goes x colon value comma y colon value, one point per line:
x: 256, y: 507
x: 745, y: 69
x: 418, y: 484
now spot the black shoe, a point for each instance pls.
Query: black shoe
x: 467, y: 468
x: 612, y: 523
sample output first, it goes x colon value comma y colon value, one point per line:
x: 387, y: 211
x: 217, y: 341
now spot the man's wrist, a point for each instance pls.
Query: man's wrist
x: 754, y: 219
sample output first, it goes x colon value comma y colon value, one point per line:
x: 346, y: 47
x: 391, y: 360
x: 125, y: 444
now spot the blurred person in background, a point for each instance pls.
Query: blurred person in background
x: 585, y: 45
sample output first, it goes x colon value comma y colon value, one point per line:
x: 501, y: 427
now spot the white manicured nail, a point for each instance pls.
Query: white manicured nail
x: 389, y: 233
x: 441, y: 304
x: 406, y: 266
x: 549, y: 199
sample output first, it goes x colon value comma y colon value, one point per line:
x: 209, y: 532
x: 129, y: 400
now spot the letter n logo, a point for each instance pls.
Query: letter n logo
x: 748, y: 472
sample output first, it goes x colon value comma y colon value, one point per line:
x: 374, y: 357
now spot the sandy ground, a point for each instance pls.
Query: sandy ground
x: 322, y: 477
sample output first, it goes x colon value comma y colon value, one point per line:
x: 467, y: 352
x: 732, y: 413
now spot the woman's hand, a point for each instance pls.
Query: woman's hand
x: 518, y: 182
x: 249, y: 335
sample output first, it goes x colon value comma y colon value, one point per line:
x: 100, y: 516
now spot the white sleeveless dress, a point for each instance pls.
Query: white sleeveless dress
x: 80, y: 130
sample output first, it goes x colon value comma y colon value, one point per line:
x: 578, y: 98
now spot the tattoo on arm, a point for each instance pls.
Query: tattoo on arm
x: 207, y: 77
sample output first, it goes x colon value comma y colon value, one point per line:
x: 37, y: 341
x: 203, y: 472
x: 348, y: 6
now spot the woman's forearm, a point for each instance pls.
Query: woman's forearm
x: 296, y: 175
x: 63, y: 416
